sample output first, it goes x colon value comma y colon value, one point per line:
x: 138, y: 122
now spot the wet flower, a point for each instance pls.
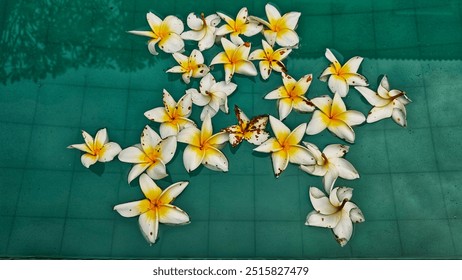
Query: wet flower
x: 387, y: 103
x: 203, y: 147
x: 281, y: 29
x: 270, y: 59
x: 173, y: 116
x: 212, y: 95
x: 334, y: 115
x: 284, y: 147
x: 165, y: 33
x: 340, y: 77
x: 151, y: 156
x: 239, y: 26
x: 202, y: 30
x: 292, y: 95
x: 192, y: 66
x: 98, y: 149
x: 235, y: 59
x: 336, y: 212
x: 330, y: 164
x: 155, y: 208
x: 253, y: 131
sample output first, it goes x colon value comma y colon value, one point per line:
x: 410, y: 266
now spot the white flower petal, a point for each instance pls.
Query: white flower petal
x: 342, y: 130
x: 379, y: 113
x: 280, y: 161
x: 130, y: 209
x: 317, y: 123
x: 168, y: 129
x: 215, y: 160
x: 371, y: 96
x: 136, y: 170
x: 157, y: 170
x: 192, y: 157
x: 345, y: 169
x: 287, y: 38
x: 132, y: 155
x: 149, y: 187
x: 149, y: 225
x: 284, y: 107
x: 335, y: 150
x: 109, y: 151
x: 343, y: 230
x: 338, y: 85
x: 190, y: 135
x: 169, y: 214
x: 321, y: 202
x: 149, y: 138
x: 329, y: 179
x: 280, y: 130
x: 172, y: 43
x: 399, y: 116
x: 88, y: 160
x: 207, y: 40
x: 316, y: 219
x: 352, y: 65
x: 170, y: 193
x: 193, y: 35
x: 194, y: 21
x: 300, y: 155
x: 270, y: 145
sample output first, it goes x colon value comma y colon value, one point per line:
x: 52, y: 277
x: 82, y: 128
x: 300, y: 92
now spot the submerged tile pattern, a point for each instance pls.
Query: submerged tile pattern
x: 409, y: 190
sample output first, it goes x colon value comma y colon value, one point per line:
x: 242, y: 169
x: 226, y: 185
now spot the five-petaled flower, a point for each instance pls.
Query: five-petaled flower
x: 235, y: 59
x: 292, y: 95
x: 253, y: 131
x: 98, y: 149
x: 173, y: 116
x: 202, y: 30
x: 241, y: 25
x: 151, y: 156
x: 340, y: 77
x: 155, y: 208
x: 334, y: 115
x: 270, y: 59
x: 165, y: 33
x: 387, y: 103
x: 212, y: 95
x: 336, y: 212
x: 204, y: 147
x: 281, y: 29
x: 284, y: 147
x: 330, y: 164
x: 192, y: 66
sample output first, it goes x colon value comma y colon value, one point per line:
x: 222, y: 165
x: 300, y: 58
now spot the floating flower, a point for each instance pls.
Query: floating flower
x: 270, y: 59
x: 203, y: 30
x: 203, y: 147
x: 387, y: 103
x: 192, y: 66
x: 334, y: 115
x: 212, y: 95
x: 251, y: 130
x: 284, y: 147
x: 330, y: 164
x: 98, y: 149
x: 151, y: 156
x: 173, y: 116
x: 281, y: 28
x: 165, y: 33
x: 156, y: 208
x: 341, y: 77
x: 235, y: 60
x: 336, y: 212
x: 239, y: 26
x: 292, y: 95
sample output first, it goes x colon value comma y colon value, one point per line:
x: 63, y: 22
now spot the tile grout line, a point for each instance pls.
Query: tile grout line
x: 23, y: 173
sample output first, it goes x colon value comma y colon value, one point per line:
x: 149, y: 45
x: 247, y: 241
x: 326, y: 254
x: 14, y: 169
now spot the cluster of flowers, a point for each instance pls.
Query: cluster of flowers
x: 333, y: 208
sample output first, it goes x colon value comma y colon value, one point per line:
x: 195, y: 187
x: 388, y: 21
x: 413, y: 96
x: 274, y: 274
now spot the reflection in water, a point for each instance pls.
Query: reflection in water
x: 49, y: 38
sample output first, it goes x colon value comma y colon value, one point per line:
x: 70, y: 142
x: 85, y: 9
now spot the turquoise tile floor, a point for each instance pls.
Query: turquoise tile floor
x: 70, y: 65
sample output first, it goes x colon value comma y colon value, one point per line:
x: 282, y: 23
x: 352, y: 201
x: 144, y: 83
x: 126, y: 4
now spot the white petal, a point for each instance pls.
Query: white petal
x: 272, y: 13
x: 149, y: 187
x: 207, y: 40
x: 314, y: 150
x: 212, y: 20
x: 198, y: 98
x: 132, y: 155
x: 280, y: 161
x: 192, y: 157
x: 252, y: 29
x: 169, y: 214
x: 101, y: 137
x: 352, y: 117
x: 352, y: 65
x: 136, y: 170
x: 316, y: 170
x: 228, y: 89
x: 190, y: 135
x: 321, y: 202
x: 194, y: 21
x: 345, y: 169
x: 280, y: 130
x: 171, y: 193
x: 208, y: 111
x: 296, y: 135
x: 215, y: 160
x: 329, y: 179
x: 343, y: 230
x: 130, y: 209
x: 149, y: 225
x: 277, y: 94
x: 245, y: 68
x: 176, y: 69
x: 335, y: 151
x: 88, y: 160
x: 356, y: 215
x: 291, y: 19
x: 149, y: 138
x: 338, y: 85
x: 88, y: 139
x: 158, y: 114
x: 81, y: 147
x: 172, y: 43
x: 152, y: 46
x: 109, y: 151
x: 319, y: 220
x: 157, y: 170
x: 270, y: 145
x: 287, y: 38
x: 284, y: 107
x: 371, y: 96
x: 174, y: 24
x: 167, y: 148
x: 399, y: 116
x: 342, y: 130
x: 193, y: 35
x: 339, y: 195
x: 355, y: 79
x: 300, y: 155
x: 379, y: 113
x: 316, y: 124
x: 153, y: 20
x: 168, y: 129
x: 184, y: 106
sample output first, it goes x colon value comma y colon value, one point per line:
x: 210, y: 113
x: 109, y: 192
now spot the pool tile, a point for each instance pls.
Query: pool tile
x: 232, y: 239
x: 5, y: 230
x: 371, y: 146
x: 278, y: 239
x: 14, y: 155
x: 447, y: 147
x: 15, y: 99
x: 184, y: 241
x: 10, y: 187
x: 319, y: 243
x: 451, y: 187
x: 440, y: 105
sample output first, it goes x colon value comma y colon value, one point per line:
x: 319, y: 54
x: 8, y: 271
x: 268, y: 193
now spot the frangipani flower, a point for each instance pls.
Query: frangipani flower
x: 336, y: 212
x: 387, y: 103
x: 292, y: 95
x: 239, y: 26
x: 203, y: 30
x: 203, y: 147
x: 251, y: 130
x: 281, y: 28
x: 173, y: 116
x: 341, y: 77
x: 270, y: 59
x: 235, y: 60
x: 330, y: 164
x: 192, y: 66
x: 155, y: 208
x: 212, y: 95
x: 151, y: 156
x: 284, y: 147
x: 165, y: 33
x: 98, y: 149
x: 334, y: 115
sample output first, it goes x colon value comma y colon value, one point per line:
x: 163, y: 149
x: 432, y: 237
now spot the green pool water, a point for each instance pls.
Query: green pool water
x: 70, y: 65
